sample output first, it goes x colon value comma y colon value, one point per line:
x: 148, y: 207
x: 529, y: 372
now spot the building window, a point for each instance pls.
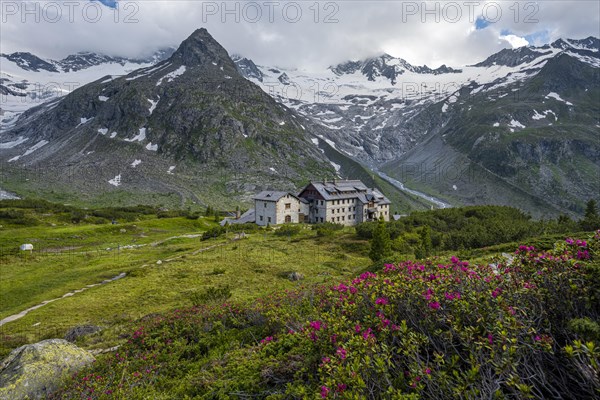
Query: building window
x: 265, y: 204
x: 288, y: 206
x: 261, y: 217
x: 288, y: 219
x: 321, y: 219
x: 332, y: 219
x: 343, y: 218
x: 316, y: 210
x: 269, y: 219
x: 321, y: 202
x: 338, y: 218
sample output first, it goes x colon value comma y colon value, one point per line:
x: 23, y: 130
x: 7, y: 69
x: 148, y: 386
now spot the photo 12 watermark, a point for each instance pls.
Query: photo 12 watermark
x: 270, y: 12
x: 53, y: 12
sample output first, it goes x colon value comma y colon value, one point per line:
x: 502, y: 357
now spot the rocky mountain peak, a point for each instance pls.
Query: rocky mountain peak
x: 200, y: 48
x: 247, y: 68
x: 29, y: 62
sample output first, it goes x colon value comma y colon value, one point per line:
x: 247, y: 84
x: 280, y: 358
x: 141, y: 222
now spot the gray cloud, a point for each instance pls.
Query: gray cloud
x: 282, y: 35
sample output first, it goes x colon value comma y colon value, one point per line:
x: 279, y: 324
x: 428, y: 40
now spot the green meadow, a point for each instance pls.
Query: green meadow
x: 166, y: 264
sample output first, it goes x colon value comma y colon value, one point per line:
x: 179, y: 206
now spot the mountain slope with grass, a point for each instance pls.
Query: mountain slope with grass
x: 189, y: 127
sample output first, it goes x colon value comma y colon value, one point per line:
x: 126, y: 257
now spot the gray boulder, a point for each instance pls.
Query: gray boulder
x: 82, y: 330
x: 35, y: 370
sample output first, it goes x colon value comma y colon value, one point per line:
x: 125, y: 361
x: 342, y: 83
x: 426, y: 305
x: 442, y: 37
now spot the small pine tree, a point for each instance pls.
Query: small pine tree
x: 426, y: 245
x: 381, y: 245
x: 419, y: 252
x: 591, y: 220
x: 209, y: 211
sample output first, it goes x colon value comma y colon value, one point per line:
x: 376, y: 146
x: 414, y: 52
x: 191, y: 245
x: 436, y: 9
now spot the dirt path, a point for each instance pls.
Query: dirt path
x: 15, y: 317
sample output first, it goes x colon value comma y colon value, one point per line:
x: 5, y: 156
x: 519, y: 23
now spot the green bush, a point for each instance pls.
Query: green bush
x: 17, y: 217
x: 214, y: 232
x: 210, y: 295
x: 288, y: 230
x: 327, y: 229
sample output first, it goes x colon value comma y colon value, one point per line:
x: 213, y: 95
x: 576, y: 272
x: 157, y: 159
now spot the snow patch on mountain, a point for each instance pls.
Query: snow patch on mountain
x: 152, y: 147
x: 556, y: 96
x: 140, y: 137
x: 16, y: 142
x: 153, y: 104
x: 116, y: 181
x: 35, y: 147
x: 172, y: 75
x: 516, y: 124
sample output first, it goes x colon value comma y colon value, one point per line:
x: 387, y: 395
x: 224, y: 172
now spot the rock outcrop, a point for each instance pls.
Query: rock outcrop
x: 35, y: 370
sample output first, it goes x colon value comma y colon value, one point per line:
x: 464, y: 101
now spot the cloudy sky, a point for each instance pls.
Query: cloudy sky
x: 304, y: 34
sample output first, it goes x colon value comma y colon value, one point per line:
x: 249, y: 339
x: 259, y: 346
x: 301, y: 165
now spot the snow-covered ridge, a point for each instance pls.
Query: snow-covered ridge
x: 367, y: 105
x: 27, y: 81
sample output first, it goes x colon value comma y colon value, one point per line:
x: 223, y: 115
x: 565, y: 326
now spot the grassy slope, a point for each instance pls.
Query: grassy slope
x: 251, y: 267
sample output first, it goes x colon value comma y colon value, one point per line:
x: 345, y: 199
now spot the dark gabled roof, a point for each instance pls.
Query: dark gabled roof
x: 271, y: 195
x: 247, y: 217
x: 339, y: 189
x: 350, y: 189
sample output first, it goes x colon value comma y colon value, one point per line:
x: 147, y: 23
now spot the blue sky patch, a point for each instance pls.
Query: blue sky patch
x: 108, y: 3
x: 538, y: 38
x: 481, y: 23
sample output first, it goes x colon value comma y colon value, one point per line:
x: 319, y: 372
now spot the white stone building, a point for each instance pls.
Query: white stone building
x: 272, y: 207
x: 346, y: 202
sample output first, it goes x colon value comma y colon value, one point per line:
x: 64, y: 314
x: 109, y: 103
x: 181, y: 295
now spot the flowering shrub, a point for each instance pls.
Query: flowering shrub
x: 520, y: 328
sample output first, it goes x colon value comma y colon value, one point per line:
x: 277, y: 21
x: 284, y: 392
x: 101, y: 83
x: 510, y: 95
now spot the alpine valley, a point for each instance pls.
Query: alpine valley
x: 196, y: 125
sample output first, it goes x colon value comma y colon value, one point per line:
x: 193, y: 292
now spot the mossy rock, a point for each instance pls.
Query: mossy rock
x: 35, y: 370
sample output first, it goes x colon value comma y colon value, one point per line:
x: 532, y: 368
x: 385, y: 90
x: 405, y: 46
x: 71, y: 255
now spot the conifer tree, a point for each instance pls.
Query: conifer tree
x: 591, y: 220
x: 426, y: 241
x: 381, y: 245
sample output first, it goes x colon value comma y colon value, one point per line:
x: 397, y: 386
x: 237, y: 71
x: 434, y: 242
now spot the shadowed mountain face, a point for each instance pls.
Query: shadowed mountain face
x: 532, y: 143
x: 190, y: 126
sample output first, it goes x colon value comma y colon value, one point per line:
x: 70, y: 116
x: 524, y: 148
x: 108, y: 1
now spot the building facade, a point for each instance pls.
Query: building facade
x: 272, y: 207
x: 347, y: 202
